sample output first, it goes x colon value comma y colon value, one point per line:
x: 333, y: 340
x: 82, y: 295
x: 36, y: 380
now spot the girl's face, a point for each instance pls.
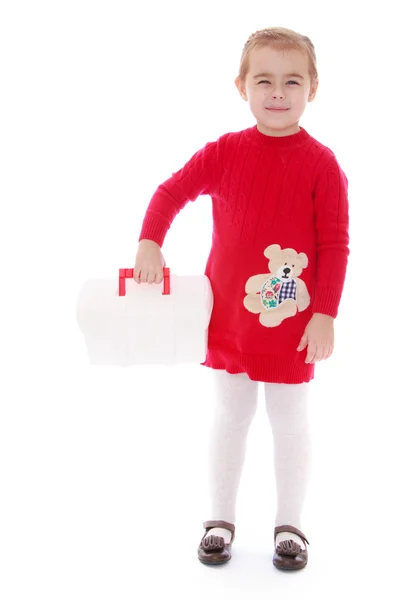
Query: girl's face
x: 277, y: 79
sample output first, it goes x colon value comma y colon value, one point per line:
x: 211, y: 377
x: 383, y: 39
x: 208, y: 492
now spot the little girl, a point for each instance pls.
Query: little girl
x: 277, y: 267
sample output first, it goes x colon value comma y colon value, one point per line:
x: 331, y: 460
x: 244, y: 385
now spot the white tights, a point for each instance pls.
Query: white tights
x: 236, y: 404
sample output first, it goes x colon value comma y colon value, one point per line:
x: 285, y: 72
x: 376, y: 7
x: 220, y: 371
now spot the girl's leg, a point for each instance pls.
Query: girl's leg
x: 236, y: 403
x: 287, y: 409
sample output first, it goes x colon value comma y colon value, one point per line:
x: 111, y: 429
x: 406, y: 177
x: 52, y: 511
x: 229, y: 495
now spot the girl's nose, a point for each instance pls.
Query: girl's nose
x: 277, y: 94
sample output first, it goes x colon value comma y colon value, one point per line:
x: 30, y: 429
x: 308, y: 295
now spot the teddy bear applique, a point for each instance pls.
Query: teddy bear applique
x: 277, y: 295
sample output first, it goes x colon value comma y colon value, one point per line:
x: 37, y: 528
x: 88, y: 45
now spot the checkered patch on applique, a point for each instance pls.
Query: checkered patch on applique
x: 274, y: 292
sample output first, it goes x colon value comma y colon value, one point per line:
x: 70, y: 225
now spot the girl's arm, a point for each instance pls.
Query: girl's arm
x: 331, y: 210
x: 199, y: 176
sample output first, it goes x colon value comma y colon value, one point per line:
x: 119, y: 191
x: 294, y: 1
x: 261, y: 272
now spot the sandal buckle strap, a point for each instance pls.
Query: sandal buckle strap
x: 221, y: 524
x: 290, y: 529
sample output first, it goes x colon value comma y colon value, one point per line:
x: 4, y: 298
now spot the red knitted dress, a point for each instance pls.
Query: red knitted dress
x: 280, y: 245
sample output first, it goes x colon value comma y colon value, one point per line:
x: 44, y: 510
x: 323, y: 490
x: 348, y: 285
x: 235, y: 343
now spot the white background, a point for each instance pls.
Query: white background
x: 102, y: 471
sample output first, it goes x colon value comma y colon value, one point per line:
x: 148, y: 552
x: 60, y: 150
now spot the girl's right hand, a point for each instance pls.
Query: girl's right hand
x: 149, y: 263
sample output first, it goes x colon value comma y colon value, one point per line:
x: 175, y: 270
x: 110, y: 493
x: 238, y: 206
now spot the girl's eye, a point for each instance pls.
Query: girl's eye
x: 265, y: 81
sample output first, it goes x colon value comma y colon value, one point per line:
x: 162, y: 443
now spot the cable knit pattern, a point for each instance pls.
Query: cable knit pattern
x: 265, y: 190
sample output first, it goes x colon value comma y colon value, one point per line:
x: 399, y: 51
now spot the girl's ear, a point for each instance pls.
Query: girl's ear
x: 313, y: 91
x: 241, y: 88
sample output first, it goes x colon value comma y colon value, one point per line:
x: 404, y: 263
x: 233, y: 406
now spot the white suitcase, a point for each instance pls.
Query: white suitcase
x: 125, y: 323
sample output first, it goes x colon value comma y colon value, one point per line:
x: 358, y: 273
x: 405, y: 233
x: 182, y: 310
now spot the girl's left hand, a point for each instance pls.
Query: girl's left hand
x: 319, y: 337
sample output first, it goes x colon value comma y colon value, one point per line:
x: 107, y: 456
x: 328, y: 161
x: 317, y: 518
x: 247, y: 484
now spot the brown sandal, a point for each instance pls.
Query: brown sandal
x: 289, y: 555
x: 212, y: 549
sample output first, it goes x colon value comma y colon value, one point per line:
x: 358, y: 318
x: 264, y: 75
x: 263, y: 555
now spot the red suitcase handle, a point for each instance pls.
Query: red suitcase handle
x: 124, y: 273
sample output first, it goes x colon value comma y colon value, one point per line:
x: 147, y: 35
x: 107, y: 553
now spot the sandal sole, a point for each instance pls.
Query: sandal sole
x: 286, y: 568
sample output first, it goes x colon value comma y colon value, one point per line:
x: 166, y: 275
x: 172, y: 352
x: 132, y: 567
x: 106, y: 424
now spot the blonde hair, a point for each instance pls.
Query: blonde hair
x: 279, y: 38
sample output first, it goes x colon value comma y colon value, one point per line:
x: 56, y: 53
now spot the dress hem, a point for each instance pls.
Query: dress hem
x: 268, y: 369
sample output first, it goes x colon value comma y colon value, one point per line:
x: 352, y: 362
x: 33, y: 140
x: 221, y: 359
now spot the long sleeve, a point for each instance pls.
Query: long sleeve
x: 199, y: 176
x: 331, y: 211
